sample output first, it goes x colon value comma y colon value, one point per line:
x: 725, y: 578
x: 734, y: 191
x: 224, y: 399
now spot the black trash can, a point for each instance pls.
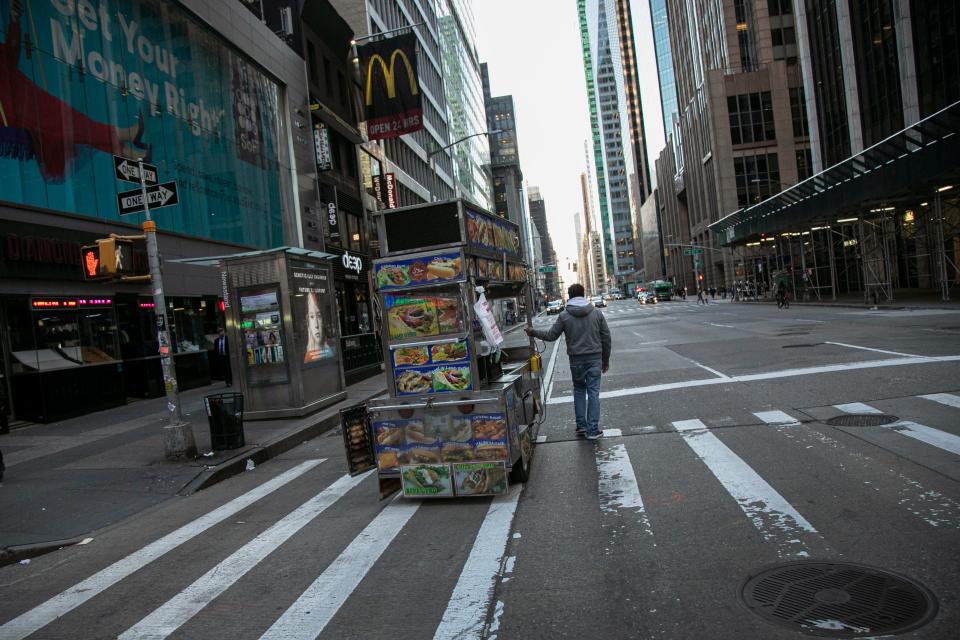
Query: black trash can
x: 225, y: 413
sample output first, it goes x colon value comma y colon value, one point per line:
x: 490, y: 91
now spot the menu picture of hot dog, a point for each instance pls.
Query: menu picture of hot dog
x: 428, y: 269
x: 388, y: 433
x: 420, y: 432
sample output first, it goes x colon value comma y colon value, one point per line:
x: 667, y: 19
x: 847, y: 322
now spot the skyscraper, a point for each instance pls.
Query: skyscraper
x: 538, y: 215
x: 616, y: 120
x: 465, y: 105
x: 661, y: 46
x: 508, y: 198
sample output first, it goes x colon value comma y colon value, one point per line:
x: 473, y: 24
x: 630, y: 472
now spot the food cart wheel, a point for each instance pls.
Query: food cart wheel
x: 520, y: 471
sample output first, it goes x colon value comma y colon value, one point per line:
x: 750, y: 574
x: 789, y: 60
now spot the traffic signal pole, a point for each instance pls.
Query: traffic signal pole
x: 178, y: 440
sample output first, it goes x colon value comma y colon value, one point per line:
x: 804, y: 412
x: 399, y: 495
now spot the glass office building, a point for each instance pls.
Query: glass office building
x: 661, y: 45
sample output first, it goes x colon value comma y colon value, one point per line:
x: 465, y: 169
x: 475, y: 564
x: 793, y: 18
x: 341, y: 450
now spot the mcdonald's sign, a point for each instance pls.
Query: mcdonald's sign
x: 391, y: 92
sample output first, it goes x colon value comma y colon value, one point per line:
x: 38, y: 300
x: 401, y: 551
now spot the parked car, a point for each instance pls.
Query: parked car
x: 598, y: 301
x: 554, y: 307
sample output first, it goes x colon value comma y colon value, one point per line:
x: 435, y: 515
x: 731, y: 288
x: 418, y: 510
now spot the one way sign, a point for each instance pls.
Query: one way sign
x: 159, y: 195
x: 129, y: 170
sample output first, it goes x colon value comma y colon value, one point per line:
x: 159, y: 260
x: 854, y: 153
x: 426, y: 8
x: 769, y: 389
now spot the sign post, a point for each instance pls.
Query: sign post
x: 178, y: 440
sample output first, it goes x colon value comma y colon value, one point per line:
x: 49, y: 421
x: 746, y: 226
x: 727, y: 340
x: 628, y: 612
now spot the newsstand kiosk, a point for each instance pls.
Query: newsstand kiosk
x: 283, y: 331
x: 463, y: 405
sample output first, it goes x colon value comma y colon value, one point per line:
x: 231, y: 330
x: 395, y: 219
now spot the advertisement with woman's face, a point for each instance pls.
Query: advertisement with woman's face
x: 313, y: 316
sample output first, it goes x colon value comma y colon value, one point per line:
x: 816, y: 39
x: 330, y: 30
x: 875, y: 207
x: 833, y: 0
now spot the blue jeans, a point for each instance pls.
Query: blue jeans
x: 586, y: 394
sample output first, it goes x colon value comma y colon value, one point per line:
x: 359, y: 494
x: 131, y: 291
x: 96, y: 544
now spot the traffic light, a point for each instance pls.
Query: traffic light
x: 109, y: 257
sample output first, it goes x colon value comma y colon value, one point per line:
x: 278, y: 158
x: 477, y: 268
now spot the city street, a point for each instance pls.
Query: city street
x: 716, y: 464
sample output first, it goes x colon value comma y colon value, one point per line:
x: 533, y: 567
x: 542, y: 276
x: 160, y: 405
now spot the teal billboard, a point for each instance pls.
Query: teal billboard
x: 83, y: 80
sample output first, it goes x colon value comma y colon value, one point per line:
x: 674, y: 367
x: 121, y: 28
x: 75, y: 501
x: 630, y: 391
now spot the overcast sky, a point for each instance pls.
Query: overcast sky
x: 533, y: 51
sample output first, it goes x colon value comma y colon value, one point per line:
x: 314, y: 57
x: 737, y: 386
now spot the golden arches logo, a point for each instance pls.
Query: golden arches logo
x: 389, y: 74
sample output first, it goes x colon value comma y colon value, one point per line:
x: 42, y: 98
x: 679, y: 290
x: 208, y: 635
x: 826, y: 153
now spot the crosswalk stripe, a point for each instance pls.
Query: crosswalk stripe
x: 61, y: 604
x: 944, y: 398
x: 940, y: 439
x: 307, y: 617
x: 776, y: 417
x: 466, y: 612
x: 617, y: 485
x: 778, y: 522
x: 856, y: 407
x: 189, y: 602
x: 612, y: 433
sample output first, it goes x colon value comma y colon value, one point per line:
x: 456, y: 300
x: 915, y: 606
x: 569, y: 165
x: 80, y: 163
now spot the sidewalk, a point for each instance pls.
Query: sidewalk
x: 67, y: 479
x: 902, y: 299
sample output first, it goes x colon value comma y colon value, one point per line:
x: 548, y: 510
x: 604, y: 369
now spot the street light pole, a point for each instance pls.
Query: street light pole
x: 433, y: 164
x: 178, y: 440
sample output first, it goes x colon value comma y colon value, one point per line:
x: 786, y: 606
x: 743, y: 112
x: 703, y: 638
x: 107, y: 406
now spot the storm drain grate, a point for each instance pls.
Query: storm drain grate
x: 862, y: 420
x: 838, y: 600
x: 798, y: 346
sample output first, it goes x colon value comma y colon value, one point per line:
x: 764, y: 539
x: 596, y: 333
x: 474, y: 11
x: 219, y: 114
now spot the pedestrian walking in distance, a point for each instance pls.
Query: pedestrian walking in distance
x: 588, y: 348
x: 221, y: 351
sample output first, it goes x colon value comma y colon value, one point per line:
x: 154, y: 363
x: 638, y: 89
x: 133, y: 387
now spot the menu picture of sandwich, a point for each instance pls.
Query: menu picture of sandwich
x: 480, y: 478
x: 490, y: 449
x: 427, y: 481
x: 429, y: 269
x: 490, y: 426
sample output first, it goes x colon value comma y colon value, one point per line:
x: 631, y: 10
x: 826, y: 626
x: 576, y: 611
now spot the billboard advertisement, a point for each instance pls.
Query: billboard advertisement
x: 83, y: 80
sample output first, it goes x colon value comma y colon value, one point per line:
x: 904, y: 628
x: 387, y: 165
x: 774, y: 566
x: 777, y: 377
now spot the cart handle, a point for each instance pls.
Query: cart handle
x: 424, y: 405
x: 394, y: 347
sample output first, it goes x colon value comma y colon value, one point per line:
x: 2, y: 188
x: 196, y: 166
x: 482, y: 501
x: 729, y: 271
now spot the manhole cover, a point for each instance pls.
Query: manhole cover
x: 862, y: 420
x: 799, y: 346
x: 838, y: 600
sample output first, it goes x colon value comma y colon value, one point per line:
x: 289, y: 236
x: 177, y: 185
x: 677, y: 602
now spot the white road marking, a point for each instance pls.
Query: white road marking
x: 856, y: 407
x: 548, y: 380
x: 725, y: 326
x: 181, y: 608
x: 61, y: 604
x: 777, y: 417
x: 466, y: 612
x: 541, y: 439
x: 713, y: 371
x: 935, y: 437
x: 648, y: 341
x: 778, y: 522
x: 944, y: 398
x: 769, y: 375
x: 309, y: 615
x: 893, y: 353
x: 617, y: 484
x: 612, y: 433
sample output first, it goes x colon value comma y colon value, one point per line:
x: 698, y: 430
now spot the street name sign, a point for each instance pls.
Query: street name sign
x: 159, y: 195
x: 129, y: 171
x: 694, y: 251
x: 547, y: 269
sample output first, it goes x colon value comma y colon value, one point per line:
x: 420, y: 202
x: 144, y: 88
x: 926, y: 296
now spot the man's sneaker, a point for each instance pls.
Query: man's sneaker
x: 595, y: 436
x: 580, y: 433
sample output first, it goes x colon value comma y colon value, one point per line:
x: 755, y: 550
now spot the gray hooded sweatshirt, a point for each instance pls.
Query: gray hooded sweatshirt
x: 586, y: 331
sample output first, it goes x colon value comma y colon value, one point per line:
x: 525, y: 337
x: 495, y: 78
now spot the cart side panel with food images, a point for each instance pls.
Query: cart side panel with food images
x: 426, y: 323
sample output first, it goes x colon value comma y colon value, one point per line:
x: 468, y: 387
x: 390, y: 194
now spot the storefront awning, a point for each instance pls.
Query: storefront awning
x: 912, y: 163
x: 213, y: 261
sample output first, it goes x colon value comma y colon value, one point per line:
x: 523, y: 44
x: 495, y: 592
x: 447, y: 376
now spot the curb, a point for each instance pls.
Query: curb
x: 851, y: 305
x: 261, y: 453
x: 16, y: 553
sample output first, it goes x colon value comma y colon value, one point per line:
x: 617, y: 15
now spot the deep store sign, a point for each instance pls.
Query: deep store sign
x: 136, y: 77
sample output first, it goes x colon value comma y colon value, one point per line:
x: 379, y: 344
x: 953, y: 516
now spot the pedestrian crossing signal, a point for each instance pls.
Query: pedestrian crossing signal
x: 109, y: 257
x: 700, y: 277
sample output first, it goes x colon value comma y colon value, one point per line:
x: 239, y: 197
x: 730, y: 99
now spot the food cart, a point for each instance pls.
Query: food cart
x: 461, y: 416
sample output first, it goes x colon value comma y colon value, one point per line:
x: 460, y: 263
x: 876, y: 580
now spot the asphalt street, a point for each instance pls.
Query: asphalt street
x: 717, y: 463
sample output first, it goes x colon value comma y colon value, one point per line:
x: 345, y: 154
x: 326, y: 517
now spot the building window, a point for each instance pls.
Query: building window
x: 798, y: 110
x: 743, y: 11
x: 783, y: 34
x: 804, y: 164
x: 878, y: 69
x: 327, y: 77
x: 828, y: 80
x: 312, y: 62
x: 936, y: 24
x: 758, y: 178
x: 751, y: 118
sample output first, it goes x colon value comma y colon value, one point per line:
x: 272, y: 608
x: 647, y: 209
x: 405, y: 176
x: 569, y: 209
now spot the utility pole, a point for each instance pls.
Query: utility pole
x: 178, y: 440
